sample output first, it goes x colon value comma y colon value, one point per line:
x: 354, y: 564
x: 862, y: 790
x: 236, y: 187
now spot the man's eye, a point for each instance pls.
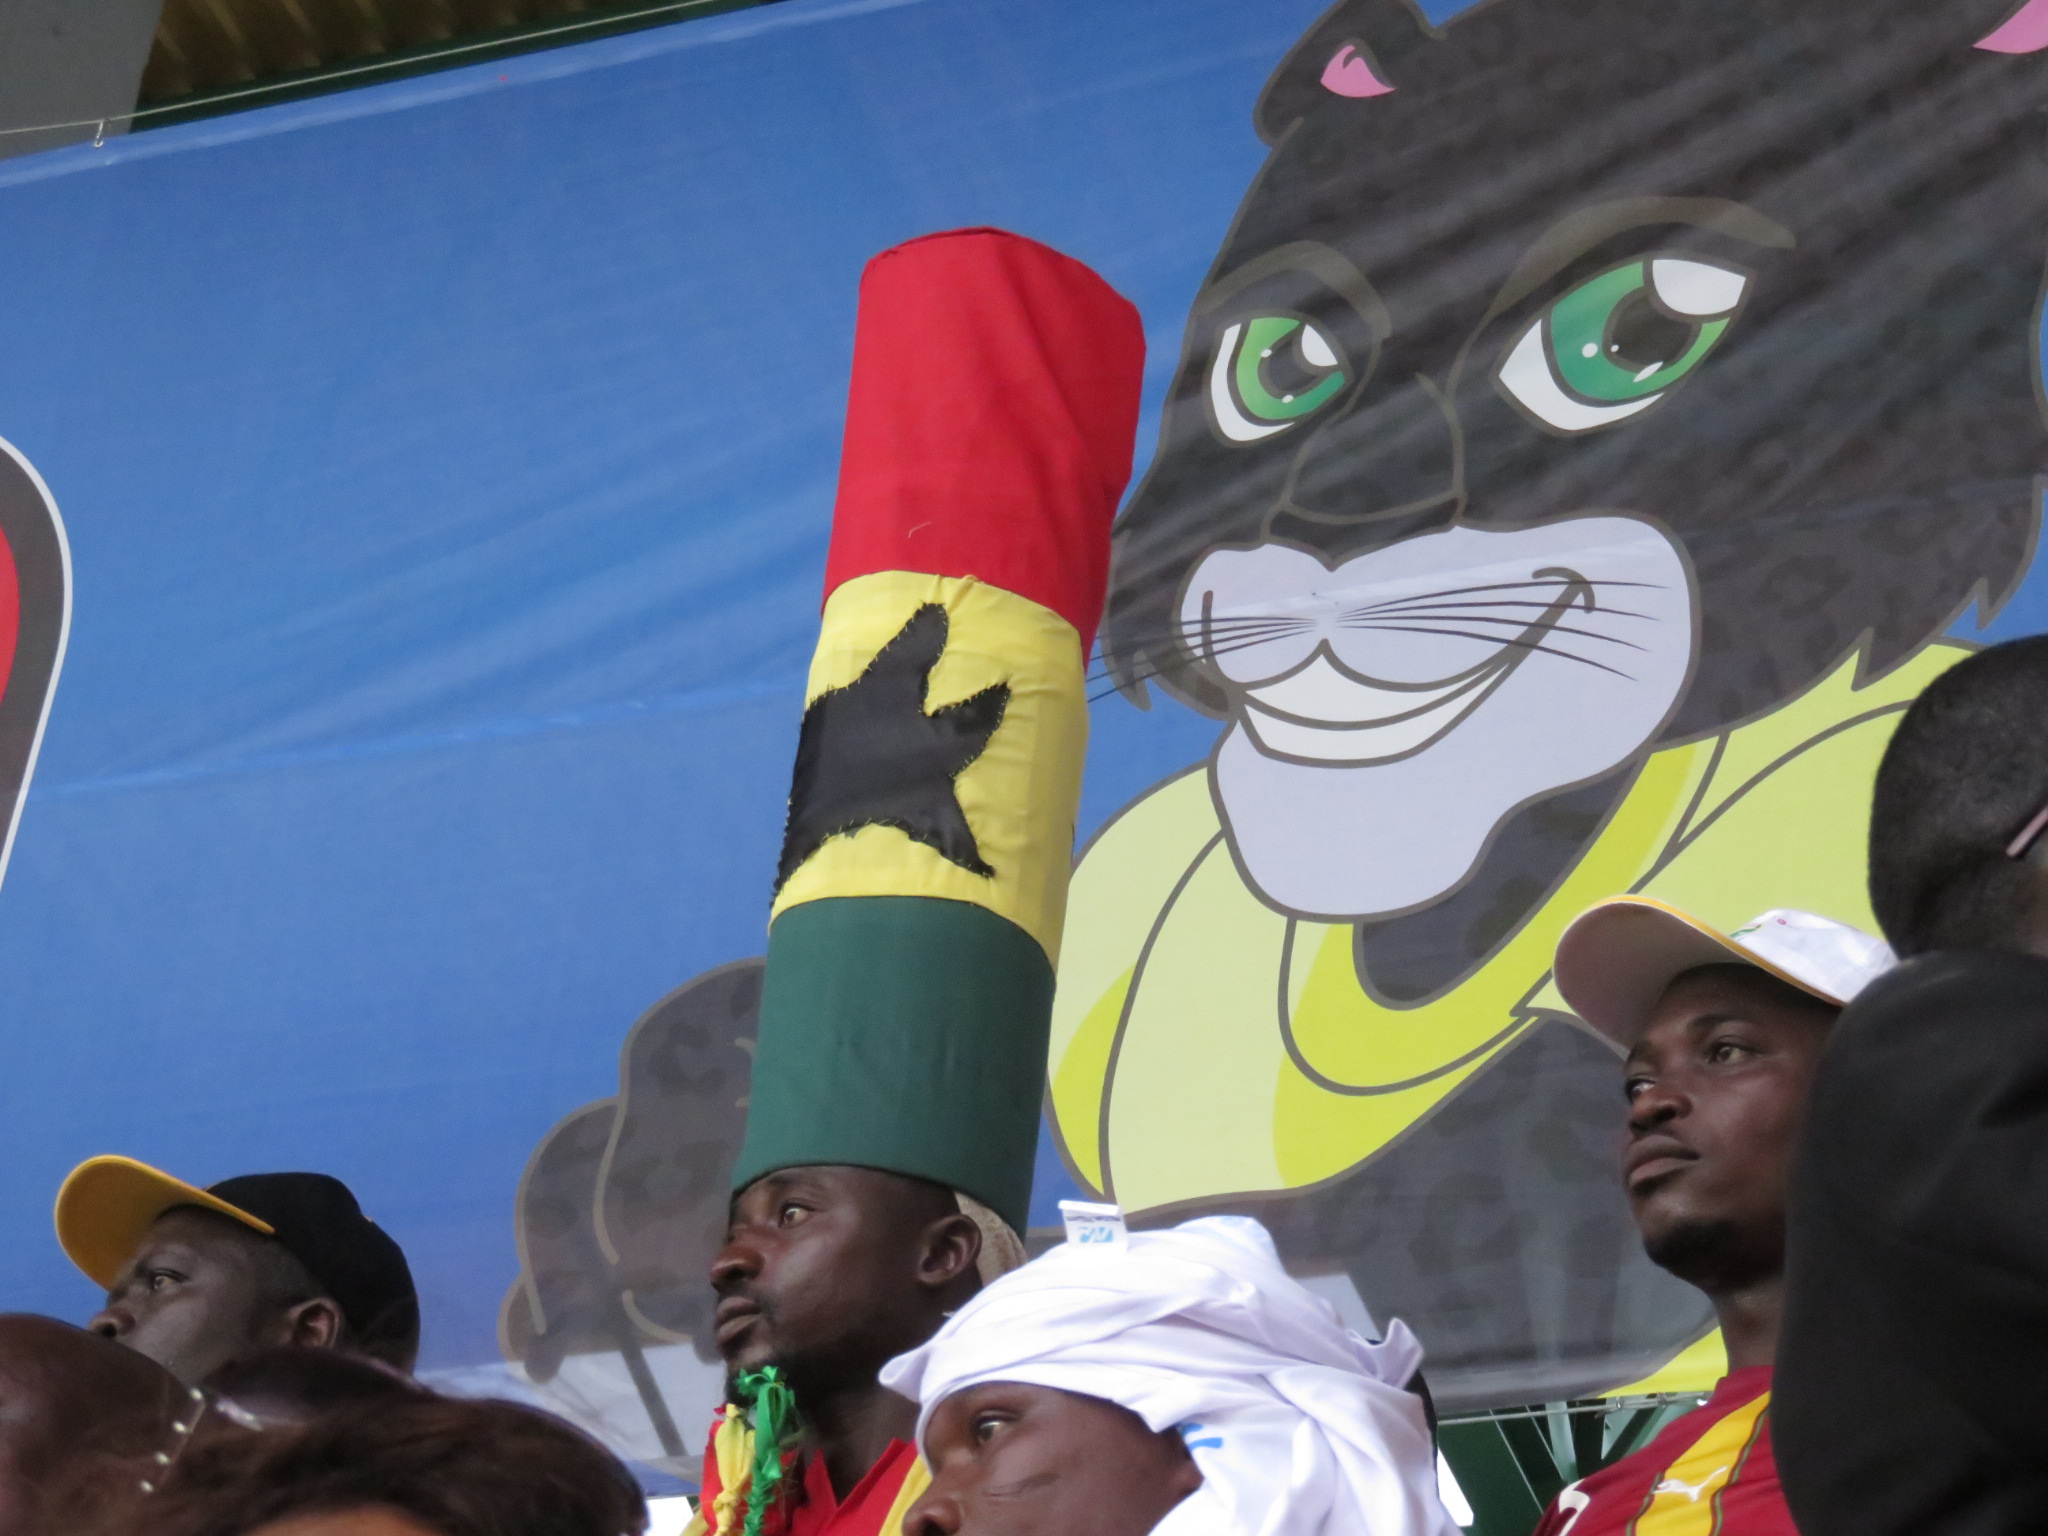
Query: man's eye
x: 792, y: 1213
x: 1269, y: 372
x: 1613, y: 345
x: 161, y: 1280
x: 1722, y: 1052
x: 986, y: 1425
x: 1634, y: 1088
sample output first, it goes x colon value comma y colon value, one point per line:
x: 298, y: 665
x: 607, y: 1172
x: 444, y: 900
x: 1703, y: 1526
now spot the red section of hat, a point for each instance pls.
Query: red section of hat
x: 990, y: 425
x: 10, y: 614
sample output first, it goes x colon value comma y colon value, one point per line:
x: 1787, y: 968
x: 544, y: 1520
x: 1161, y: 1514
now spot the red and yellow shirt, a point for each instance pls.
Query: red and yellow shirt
x: 875, y: 1506
x: 1710, y: 1473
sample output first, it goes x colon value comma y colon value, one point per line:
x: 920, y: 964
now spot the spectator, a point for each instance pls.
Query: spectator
x: 899, y: 1062
x: 1182, y: 1383
x: 1722, y: 1035
x: 196, y: 1278
x: 827, y: 1272
x: 1909, y: 1387
x: 80, y: 1418
x: 402, y: 1465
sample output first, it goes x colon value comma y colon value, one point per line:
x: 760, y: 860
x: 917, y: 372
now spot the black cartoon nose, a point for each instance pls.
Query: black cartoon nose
x: 1384, y: 470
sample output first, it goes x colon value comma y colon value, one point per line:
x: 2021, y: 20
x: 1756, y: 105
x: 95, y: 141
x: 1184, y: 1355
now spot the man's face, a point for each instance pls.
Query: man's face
x: 1015, y: 1460
x: 820, y: 1274
x: 1717, y: 1089
x: 193, y: 1297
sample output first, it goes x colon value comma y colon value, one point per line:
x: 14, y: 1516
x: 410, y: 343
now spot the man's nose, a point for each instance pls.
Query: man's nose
x: 112, y: 1321
x: 937, y: 1513
x: 1384, y: 470
x: 738, y: 1262
x: 1657, y: 1104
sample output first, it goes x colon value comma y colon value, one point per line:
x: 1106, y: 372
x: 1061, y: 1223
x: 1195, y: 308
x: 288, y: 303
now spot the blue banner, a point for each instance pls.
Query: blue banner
x: 447, y: 468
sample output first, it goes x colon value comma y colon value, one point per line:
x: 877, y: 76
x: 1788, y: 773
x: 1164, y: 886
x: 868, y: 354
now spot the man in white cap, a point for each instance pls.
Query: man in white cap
x: 1173, y: 1381
x: 1721, y: 1034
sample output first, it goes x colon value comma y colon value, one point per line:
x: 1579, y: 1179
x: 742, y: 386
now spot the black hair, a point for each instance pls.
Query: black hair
x: 459, y: 1467
x: 1965, y: 771
x: 288, y: 1385
x: 392, y: 1337
x: 282, y: 1281
x: 84, y: 1418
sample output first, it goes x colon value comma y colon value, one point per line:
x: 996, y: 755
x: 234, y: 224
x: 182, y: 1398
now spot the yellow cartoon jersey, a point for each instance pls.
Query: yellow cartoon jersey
x: 1708, y: 1473
x: 1205, y: 1045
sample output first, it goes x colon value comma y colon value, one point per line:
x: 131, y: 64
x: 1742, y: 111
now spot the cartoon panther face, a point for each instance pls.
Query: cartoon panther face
x: 1523, y: 427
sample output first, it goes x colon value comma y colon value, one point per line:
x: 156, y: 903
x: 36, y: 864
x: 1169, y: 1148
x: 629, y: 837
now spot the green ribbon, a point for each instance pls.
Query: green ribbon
x: 771, y: 1408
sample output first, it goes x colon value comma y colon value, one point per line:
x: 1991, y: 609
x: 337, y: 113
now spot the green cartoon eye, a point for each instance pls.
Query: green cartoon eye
x: 1614, y: 344
x: 1270, y: 372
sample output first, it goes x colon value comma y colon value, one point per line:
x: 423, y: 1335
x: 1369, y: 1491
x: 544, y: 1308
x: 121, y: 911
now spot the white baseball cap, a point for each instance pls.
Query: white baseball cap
x: 1616, y: 959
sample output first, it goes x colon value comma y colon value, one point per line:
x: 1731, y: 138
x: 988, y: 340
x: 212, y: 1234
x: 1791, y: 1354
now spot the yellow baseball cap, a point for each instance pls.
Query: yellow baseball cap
x: 1617, y: 957
x: 107, y: 1205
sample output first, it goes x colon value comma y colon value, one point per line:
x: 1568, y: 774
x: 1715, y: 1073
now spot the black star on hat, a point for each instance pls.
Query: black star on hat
x: 870, y: 756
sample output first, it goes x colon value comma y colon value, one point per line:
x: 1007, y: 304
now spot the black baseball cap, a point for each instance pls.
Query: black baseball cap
x: 108, y: 1204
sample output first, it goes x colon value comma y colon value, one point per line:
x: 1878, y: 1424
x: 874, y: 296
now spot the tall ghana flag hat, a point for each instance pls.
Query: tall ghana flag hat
x: 923, y: 880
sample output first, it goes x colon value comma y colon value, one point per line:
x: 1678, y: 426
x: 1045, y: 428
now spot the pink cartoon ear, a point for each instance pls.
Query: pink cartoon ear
x: 2024, y: 31
x: 1347, y: 73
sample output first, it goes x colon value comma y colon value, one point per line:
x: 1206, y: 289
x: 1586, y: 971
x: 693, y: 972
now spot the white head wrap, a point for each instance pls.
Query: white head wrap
x: 1298, y: 1426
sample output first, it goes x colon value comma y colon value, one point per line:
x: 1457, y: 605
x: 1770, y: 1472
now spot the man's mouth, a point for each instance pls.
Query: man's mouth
x: 735, y: 1315
x: 1326, y: 713
x: 1649, y: 1162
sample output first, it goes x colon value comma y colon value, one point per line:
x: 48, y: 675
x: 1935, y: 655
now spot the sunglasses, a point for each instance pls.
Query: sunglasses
x: 196, y: 1404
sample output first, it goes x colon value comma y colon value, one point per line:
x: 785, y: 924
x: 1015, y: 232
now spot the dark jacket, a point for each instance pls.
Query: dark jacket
x: 1912, y: 1384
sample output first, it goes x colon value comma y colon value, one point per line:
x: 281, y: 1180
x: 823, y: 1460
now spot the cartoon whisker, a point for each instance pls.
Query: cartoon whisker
x: 1480, y: 618
x: 1193, y: 637
x: 1396, y: 610
x: 1209, y: 638
x: 1097, y: 698
x: 1229, y: 628
x: 1586, y: 582
x: 1147, y: 674
x: 1197, y: 626
x: 1514, y: 640
x: 1230, y: 645
x: 1204, y: 653
x: 1212, y: 617
x: 1249, y: 631
x: 1142, y: 675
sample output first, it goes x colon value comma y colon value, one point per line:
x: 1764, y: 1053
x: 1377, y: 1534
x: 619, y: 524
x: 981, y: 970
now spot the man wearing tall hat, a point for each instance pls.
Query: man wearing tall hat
x: 196, y: 1278
x: 894, y: 1110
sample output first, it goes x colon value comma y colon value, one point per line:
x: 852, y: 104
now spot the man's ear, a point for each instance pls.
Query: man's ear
x: 952, y: 1249
x: 315, y: 1324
